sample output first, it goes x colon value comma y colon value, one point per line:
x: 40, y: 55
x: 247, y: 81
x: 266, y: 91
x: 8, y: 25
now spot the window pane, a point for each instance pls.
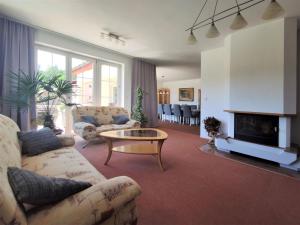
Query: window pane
x: 109, y: 85
x: 82, y: 80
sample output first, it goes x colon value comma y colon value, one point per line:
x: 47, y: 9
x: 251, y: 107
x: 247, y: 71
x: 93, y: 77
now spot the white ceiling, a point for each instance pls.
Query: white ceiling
x: 154, y: 29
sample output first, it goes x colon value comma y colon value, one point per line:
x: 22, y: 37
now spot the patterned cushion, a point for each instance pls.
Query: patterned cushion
x: 35, y: 189
x: 37, y: 142
x: 120, y: 119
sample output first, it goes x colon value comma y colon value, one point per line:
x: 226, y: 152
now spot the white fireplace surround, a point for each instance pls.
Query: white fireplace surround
x: 281, y: 154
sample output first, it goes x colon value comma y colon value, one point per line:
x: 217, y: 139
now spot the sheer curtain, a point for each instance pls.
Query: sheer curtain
x: 144, y: 76
x: 16, y: 54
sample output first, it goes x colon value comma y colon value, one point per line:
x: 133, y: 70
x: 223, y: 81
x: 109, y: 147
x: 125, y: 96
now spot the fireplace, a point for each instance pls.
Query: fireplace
x: 260, y: 129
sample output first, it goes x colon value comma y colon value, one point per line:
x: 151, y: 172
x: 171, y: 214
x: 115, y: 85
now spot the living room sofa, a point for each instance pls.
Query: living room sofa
x: 104, y: 116
x: 107, y: 201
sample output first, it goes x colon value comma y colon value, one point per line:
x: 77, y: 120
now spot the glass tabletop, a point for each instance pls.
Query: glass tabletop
x: 139, y: 133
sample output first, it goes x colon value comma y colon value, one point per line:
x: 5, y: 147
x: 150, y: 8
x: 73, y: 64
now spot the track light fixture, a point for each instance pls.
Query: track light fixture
x: 113, y: 37
x: 274, y: 10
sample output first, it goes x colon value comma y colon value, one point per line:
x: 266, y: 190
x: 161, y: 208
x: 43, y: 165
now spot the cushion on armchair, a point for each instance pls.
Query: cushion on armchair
x: 37, y: 142
x: 32, y: 188
x: 91, y: 120
x: 120, y: 119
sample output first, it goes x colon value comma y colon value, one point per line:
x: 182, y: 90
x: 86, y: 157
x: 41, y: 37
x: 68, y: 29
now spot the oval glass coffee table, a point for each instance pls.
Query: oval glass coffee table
x: 141, y: 134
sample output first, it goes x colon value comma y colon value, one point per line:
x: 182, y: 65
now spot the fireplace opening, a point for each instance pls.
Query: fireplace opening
x: 260, y: 129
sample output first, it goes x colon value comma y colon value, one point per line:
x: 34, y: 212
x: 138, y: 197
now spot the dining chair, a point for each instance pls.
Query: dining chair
x: 187, y: 114
x: 168, y: 112
x: 160, y: 111
x: 177, y: 113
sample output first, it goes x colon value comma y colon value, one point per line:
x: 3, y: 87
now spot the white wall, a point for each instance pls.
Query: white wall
x: 174, y: 90
x: 214, y: 82
x: 254, y: 71
x: 296, y: 120
x: 263, y: 68
x: 70, y: 44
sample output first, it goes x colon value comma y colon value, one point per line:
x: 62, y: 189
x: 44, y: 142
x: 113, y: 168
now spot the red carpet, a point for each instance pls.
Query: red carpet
x: 199, y: 188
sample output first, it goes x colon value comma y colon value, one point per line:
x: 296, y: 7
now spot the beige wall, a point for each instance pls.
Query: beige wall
x: 174, y: 89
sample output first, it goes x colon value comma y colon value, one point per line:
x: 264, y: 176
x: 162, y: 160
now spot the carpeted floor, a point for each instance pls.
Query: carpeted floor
x: 199, y: 188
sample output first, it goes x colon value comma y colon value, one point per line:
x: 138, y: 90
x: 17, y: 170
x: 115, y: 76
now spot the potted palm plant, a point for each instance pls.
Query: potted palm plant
x: 47, y: 91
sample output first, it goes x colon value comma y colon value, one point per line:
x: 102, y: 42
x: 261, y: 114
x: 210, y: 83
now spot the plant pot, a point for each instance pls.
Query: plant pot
x: 212, y: 136
x: 48, y: 121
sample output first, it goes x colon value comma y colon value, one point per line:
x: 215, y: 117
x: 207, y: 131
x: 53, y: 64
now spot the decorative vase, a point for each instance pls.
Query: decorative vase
x: 48, y: 121
x: 212, y: 136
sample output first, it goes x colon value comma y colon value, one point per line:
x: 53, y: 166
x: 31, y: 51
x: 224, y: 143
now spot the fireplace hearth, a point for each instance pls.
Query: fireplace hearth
x: 259, y: 129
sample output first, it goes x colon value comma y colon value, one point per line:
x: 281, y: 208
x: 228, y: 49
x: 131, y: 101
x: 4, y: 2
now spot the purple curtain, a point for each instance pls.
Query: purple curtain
x: 16, y: 54
x: 144, y: 76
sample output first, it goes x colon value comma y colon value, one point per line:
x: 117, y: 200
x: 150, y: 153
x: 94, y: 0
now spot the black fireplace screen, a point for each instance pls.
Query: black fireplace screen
x: 260, y: 129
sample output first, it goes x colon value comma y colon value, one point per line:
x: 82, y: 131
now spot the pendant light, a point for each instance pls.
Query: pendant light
x: 239, y: 21
x: 213, y: 31
x: 273, y: 10
x: 192, y: 39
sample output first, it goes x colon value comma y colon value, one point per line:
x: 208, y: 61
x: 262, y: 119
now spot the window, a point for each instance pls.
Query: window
x: 94, y: 81
x: 110, y: 87
x: 82, y: 80
x: 51, y: 63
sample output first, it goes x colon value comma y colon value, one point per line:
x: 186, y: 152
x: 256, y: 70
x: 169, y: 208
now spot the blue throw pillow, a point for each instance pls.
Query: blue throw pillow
x: 32, y: 188
x: 37, y: 142
x: 90, y: 119
x: 121, y: 119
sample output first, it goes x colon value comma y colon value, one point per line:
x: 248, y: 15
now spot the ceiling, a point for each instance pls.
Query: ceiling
x: 154, y: 29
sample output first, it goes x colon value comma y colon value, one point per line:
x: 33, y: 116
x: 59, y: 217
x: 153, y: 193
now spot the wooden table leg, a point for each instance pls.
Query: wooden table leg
x: 109, y: 144
x: 159, y: 146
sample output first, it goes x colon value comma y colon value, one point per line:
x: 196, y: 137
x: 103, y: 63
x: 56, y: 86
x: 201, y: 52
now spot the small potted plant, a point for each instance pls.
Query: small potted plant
x: 212, y: 126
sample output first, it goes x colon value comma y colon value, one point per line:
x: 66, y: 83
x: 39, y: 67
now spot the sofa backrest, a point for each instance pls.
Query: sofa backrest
x: 103, y: 114
x: 10, y: 155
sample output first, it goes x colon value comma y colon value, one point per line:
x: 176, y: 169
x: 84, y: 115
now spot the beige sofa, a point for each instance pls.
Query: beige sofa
x: 104, y: 116
x: 108, y: 201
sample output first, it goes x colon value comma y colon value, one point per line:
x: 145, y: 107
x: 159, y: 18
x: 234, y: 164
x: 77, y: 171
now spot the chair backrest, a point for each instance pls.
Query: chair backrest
x: 10, y: 156
x: 177, y: 110
x: 103, y: 114
x: 160, y: 109
x: 193, y: 107
x: 187, y: 112
x: 167, y: 109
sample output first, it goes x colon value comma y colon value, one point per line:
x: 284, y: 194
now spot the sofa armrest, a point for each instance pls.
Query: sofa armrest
x: 66, y: 140
x: 133, y: 123
x: 85, y: 130
x: 91, y: 206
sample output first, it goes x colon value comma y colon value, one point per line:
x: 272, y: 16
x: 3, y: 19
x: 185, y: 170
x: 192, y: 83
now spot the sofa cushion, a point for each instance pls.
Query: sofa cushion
x: 90, y: 119
x: 37, y: 142
x: 32, y: 188
x: 65, y: 163
x: 120, y: 119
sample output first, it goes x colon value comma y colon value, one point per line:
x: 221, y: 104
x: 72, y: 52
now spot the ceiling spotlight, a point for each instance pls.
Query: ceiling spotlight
x: 212, y: 31
x: 239, y: 22
x: 273, y: 10
x: 192, y: 39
